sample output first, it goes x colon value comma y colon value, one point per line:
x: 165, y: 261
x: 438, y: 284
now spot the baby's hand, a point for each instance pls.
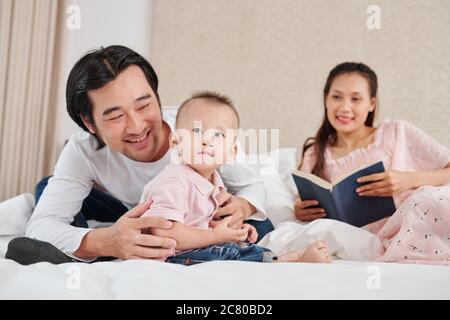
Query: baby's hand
x: 223, y: 233
x: 252, y: 233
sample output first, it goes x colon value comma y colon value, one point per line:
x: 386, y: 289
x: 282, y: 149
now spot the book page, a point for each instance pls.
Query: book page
x: 313, y: 178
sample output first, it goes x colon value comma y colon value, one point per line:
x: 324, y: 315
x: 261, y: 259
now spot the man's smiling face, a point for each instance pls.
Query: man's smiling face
x: 127, y: 116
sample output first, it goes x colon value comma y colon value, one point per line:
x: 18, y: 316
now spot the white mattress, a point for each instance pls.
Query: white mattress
x: 342, y: 279
x: 222, y: 280
x: 137, y: 279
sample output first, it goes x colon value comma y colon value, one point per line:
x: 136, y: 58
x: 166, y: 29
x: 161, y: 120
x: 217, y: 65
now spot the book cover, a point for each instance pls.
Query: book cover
x: 340, y: 200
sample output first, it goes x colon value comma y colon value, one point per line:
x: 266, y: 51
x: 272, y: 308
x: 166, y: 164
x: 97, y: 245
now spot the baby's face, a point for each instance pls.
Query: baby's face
x: 205, y: 135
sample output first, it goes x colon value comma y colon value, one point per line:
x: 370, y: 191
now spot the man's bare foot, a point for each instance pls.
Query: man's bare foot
x: 316, y: 252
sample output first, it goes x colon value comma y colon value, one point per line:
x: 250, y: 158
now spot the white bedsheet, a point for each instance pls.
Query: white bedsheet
x: 237, y: 280
x: 343, y: 279
x: 222, y: 280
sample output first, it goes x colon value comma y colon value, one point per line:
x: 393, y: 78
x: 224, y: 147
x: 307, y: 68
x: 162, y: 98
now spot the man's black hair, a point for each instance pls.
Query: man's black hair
x: 94, y: 70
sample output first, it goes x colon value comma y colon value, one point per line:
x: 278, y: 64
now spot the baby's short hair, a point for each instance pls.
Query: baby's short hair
x: 211, y: 96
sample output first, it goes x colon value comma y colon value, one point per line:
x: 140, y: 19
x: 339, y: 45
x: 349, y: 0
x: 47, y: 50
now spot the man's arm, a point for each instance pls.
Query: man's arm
x: 93, y: 244
x: 61, y: 201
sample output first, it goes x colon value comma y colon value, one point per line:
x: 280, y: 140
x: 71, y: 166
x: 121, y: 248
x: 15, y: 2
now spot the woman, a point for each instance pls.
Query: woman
x: 417, y: 167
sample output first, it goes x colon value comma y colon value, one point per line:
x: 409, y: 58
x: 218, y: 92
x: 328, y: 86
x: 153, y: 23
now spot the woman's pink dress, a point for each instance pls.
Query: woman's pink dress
x: 419, y: 231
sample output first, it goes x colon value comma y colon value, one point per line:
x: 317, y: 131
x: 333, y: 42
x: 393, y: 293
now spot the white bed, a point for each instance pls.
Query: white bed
x: 345, y: 278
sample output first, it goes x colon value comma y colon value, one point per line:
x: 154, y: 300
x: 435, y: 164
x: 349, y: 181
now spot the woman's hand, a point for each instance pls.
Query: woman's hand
x: 385, y: 184
x: 303, y: 212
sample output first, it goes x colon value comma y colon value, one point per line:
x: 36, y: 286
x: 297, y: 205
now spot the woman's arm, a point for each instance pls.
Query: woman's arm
x: 192, y: 238
x: 430, y: 178
x: 394, y: 182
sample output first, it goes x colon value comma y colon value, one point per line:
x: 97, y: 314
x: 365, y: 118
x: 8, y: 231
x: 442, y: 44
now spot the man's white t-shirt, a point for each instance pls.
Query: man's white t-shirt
x: 80, y: 165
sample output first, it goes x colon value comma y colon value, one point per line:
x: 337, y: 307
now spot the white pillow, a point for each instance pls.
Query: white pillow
x: 275, y: 169
x: 279, y: 203
x: 15, y: 213
x: 278, y: 161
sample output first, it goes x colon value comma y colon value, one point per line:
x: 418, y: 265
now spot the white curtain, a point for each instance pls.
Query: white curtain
x: 27, y: 53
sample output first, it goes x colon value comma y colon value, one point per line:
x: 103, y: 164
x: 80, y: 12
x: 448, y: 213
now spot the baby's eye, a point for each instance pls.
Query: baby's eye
x: 356, y: 99
x: 335, y: 97
x: 197, y: 130
x: 219, y: 134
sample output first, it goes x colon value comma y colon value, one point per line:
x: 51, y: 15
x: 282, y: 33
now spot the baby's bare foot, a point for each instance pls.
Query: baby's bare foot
x: 317, y: 252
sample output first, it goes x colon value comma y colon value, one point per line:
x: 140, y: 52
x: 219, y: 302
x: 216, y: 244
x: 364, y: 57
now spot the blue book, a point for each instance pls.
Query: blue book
x: 340, y: 200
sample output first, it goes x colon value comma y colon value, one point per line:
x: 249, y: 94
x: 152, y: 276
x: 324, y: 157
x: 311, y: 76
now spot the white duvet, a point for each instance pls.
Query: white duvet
x: 352, y: 275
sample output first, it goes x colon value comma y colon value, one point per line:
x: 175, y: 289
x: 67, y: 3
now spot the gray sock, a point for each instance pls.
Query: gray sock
x: 28, y: 251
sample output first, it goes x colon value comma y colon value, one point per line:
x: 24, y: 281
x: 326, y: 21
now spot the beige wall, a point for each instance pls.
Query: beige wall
x: 33, y: 76
x: 272, y: 57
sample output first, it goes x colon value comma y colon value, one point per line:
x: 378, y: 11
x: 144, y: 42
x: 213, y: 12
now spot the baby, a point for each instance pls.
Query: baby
x: 186, y: 193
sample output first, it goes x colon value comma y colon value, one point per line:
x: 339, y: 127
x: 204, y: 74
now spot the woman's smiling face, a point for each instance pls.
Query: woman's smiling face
x: 348, y: 103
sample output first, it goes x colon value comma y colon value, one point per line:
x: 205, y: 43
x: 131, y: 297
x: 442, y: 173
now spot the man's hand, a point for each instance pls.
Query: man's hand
x: 125, y: 239
x: 385, y: 184
x: 238, y: 208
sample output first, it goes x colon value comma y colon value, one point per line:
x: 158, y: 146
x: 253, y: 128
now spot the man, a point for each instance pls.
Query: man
x: 112, y: 93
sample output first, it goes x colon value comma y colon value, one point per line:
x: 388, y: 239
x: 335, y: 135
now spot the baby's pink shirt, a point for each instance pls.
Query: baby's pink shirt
x: 179, y: 193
